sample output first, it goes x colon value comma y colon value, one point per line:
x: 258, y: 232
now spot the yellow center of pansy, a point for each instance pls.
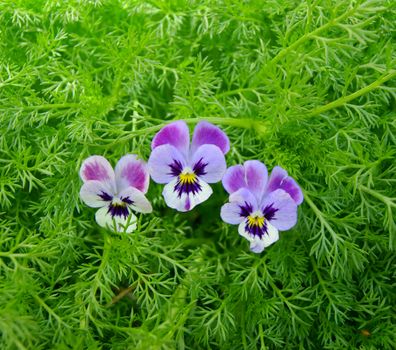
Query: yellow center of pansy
x: 117, y: 202
x: 187, y: 178
x: 255, y: 221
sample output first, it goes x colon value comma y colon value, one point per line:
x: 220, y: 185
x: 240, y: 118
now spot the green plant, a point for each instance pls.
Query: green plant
x: 308, y: 85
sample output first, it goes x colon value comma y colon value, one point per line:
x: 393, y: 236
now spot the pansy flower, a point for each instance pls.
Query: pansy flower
x: 260, y: 206
x: 117, y: 193
x: 188, y: 169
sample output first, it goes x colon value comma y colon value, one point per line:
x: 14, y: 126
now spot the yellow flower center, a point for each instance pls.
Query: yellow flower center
x: 116, y: 202
x: 187, y: 178
x: 255, y: 221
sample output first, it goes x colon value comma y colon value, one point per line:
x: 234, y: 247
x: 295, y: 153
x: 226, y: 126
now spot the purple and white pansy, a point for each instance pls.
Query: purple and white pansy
x: 187, y: 170
x: 117, y: 193
x: 260, y: 206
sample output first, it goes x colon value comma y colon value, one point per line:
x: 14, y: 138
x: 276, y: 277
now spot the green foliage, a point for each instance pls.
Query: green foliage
x: 308, y: 85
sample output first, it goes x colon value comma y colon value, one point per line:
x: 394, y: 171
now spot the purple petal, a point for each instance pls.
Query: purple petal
x: 132, y: 172
x: 175, y: 134
x: 164, y: 163
x: 136, y: 200
x: 206, y: 133
x: 252, y: 175
x: 234, y: 178
x: 279, y: 179
x: 96, y: 168
x: 243, y: 196
x: 208, y: 163
x: 256, y: 175
x: 280, y: 210
x: 96, y: 194
x: 185, y: 201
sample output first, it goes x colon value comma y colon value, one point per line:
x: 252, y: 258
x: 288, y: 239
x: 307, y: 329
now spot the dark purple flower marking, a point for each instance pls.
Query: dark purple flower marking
x: 199, y: 167
x: 120, y: 210
x: 246, y: 209
x: 256, y: 229
x: 120, y: 207
x: 105, y: 196
x: 127, y: 200
x: 187, y: 183
x: 269, y: 212
x: 175, y: 168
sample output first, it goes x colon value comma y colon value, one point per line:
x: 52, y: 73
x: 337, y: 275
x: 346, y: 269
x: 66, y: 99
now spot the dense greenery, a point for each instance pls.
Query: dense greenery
x: 308, y: 85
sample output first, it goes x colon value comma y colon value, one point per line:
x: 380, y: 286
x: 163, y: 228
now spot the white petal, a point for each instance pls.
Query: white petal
x: 140, y: 202
x: 258, y: 244
x: 202, y: 195
x: 272, y: 235
x: 96, y: 194
x: 186, y: 201
x: 243, y: 232
x: 104, y: 219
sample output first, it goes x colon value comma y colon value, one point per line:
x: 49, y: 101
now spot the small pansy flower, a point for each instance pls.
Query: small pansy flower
x: 188, y: 169
x: 260, y: 206
x: 117, y: 193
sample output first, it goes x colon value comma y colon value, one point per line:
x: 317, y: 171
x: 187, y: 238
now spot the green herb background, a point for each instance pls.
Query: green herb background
x: 307, y: 85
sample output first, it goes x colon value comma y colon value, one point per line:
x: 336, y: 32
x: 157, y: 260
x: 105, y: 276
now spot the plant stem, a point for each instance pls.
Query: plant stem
x: 320, y: 215
x: 309, y: 35
x: 343, y: 100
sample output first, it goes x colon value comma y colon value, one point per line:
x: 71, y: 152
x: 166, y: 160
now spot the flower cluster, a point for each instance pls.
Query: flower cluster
x: 261, y: 206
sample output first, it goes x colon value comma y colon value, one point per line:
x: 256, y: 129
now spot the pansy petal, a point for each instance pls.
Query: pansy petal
x: 136, y: 200
x: 231, y: 213
x: 258, y: 244
x: 271, y: 236
x: 207, y: 133
x: 133, y: 172
x: 96, y: 194
x: 163, y: 163
x: 234, y: 178
x: 104, y: 219
x: 280, y: 210
x: 185, y: 201
x: 242, y: 231
x: 279, y: 179
x: 252, y: 175
x: 256, y: 176
x: 244, y: 197
x: 96, y: 168
x: 242, y: 204
x: 208, y: 163
x: 175, y: 134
